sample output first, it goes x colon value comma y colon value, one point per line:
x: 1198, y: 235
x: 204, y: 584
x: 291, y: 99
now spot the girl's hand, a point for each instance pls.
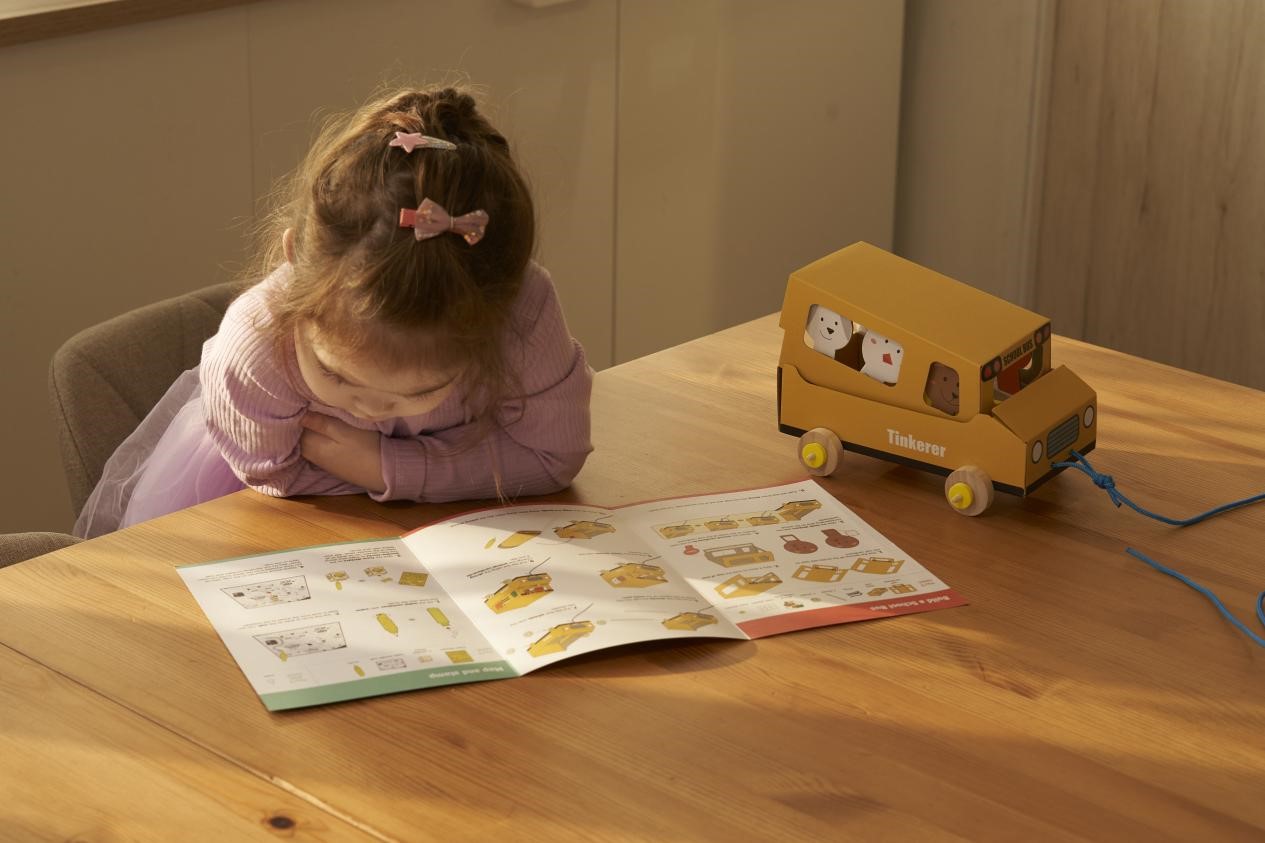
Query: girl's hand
x: 349, y: 453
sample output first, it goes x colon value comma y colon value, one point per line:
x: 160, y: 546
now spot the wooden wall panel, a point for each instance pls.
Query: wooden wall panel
x: 973, y: 95
x: 754, y: 138
x: 1154, y: 186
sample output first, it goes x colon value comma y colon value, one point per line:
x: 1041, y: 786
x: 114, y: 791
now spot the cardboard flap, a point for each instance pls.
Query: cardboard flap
x: 1044, y: 403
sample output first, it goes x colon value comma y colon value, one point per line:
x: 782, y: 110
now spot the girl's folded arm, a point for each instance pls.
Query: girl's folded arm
x: 538, y: 449
x: 542, y: 438
x: 255, y: 419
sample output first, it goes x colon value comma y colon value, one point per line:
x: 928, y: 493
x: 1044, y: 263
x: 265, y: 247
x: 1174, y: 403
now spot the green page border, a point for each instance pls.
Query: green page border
x: 413, y: 680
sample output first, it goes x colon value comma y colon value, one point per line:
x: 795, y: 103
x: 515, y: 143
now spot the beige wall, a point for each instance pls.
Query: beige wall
x: 971, y: 139
x: 754, y: 138
x: 141, y: 153
x: 106, y: 139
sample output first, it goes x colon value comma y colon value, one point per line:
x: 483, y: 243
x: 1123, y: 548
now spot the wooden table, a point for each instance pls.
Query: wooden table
x: 1081, y: 695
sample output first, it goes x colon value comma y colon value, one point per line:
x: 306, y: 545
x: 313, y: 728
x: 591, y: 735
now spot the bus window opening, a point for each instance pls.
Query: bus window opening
x: 942, y: 388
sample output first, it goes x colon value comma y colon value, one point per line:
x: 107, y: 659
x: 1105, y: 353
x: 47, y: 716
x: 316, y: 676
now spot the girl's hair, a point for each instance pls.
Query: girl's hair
x: 370, y: 286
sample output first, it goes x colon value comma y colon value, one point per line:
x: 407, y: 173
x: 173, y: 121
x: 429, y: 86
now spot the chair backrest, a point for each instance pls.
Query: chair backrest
x: 104, y: 380
x: 18, y: 547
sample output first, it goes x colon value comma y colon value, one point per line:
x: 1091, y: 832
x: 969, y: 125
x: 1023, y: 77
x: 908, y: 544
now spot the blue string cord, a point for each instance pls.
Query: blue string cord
x: 1108, y: 484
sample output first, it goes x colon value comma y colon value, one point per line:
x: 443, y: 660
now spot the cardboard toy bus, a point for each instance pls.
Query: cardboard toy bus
x: 887, y: 358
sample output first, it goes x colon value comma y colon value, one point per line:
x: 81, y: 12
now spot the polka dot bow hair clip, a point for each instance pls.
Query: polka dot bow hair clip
x: 430, y: 219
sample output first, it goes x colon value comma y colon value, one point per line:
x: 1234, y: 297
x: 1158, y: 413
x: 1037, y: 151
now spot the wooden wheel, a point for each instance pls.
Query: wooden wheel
x: 819, y: 451
x: 969, y: 490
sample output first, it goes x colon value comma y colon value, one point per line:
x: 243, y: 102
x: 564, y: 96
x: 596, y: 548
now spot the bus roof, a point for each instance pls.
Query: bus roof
x: 875, y: 287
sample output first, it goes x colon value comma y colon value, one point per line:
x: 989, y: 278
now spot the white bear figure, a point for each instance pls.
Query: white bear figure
x: 828, y: 330
x: 882, y: 357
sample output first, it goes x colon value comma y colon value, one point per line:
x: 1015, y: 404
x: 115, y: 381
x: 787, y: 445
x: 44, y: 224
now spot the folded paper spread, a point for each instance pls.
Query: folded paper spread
x: 500, y: 592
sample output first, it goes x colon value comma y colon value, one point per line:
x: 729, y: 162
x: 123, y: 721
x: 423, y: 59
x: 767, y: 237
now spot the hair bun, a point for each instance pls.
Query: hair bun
x: 408, y: 122
x: 455, y: 115
x: 460, y: 101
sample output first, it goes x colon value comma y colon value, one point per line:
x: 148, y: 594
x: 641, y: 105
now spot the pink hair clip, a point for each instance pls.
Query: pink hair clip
x: 408, y: 141
x: 430, y: 219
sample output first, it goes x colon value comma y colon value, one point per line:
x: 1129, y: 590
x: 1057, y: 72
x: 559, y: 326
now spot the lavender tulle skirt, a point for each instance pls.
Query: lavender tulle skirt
x: 168, y: 463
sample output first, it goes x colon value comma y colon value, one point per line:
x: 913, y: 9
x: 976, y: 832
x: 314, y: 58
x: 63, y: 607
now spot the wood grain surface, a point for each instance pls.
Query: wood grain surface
x: 1080, y: 695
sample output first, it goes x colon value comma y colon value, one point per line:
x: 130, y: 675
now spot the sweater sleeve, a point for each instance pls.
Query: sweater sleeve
x: 542, y: 437
x: 253, y: 413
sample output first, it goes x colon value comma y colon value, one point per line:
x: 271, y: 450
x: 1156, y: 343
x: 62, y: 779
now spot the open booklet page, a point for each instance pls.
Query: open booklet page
x: 500, y: 592
x: 550, y: 581
x: 788, y: 557
x: 338, y: 622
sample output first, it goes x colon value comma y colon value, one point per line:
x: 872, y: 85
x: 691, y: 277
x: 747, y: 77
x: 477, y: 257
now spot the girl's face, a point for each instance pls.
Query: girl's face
x: 361, y: 387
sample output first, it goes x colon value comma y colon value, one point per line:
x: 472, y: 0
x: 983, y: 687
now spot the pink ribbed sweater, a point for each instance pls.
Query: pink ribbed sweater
x: 254, y: 400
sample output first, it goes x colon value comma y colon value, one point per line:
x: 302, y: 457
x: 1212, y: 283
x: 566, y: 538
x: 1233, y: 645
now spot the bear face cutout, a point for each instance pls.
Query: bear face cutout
x: 942, y: 388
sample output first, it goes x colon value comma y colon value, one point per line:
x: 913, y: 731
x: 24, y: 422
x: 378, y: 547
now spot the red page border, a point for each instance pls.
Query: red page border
x: 903, y: 605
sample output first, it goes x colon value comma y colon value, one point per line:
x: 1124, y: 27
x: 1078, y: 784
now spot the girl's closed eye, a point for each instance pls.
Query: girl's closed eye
x: 333, y: 376
x: 338, y: 384
x: 425, y: 392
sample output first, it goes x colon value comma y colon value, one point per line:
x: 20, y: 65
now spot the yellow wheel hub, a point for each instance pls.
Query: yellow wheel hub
x: 960, y: 496
x: 813, y: 454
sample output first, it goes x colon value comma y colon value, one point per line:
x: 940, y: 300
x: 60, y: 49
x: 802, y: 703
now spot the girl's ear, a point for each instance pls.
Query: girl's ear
x: 287, y: 244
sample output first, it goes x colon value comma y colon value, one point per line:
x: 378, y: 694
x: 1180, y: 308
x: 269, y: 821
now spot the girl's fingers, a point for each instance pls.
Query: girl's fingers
x: 320, y: 423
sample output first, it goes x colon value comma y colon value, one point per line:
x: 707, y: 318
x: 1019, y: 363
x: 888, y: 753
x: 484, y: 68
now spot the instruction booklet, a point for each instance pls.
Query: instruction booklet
x: 500, y: 592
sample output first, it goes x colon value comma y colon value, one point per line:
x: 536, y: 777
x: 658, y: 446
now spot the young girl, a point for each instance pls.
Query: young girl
x: 403, y: 343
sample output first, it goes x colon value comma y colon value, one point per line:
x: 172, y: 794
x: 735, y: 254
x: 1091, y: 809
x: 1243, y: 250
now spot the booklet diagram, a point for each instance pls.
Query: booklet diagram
x: 501, y: 592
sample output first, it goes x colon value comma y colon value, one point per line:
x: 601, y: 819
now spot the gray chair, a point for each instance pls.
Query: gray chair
x: 104, y: 380
x: 18, y: 547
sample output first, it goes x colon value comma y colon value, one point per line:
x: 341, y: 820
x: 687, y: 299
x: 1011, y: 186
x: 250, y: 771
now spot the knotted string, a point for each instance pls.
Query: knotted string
x: 1107, y: 483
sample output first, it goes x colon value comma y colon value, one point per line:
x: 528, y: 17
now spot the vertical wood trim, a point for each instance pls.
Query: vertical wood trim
x: 1030, y: 223
x: 613, y: 337
x: 971, y: 135
x: 1066, y: 219
x: 1153, y: 197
